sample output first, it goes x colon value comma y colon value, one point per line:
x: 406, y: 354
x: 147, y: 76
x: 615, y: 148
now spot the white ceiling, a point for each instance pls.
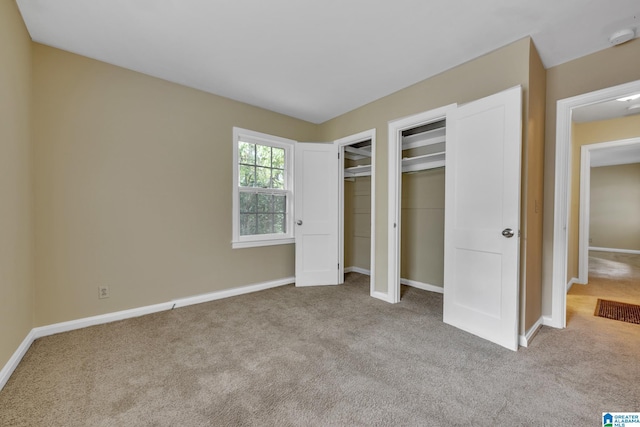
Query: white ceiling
x: 605, y: 110
x: 315, y: 60
x: 620, y: 155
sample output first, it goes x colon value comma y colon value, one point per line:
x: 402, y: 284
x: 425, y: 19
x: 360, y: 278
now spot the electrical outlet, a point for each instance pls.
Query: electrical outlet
x: 103, y: 292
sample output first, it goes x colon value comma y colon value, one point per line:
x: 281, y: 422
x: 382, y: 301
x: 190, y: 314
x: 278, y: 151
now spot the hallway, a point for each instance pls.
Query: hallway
x: 612, y: 276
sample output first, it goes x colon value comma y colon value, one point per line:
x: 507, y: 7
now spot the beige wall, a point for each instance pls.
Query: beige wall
x: 515, y: 64
x: 609, y: 67
x: 132, y: 178
x: 532, y: 193
x: 491, y: 73
x: 586, y: 134
x: 615, y: 207
x: 358, y: 224
x: 133, y: 189
x: 347, y: 222
x: 16, y: 224
x: 422, y: 240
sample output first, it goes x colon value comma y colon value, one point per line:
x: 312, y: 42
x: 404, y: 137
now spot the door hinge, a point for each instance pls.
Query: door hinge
x: 338, y: 156
x: 338, y: 266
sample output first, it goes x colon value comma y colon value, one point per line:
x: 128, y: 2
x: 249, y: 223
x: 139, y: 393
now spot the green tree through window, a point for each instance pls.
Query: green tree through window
x: 262, y: 189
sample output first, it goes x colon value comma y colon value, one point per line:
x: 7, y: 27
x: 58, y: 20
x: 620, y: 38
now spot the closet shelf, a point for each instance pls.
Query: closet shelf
x: 431, y: 137
x: 409, y: 164
x: 427, y: 161
x: 362, y: 170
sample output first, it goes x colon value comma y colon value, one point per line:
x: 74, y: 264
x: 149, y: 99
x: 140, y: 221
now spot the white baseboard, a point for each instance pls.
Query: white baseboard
x: 525, y: 340
x: 72, y: 325
x: 423, y: 286
x: 357, y: 270
x: 15, y: 359
x: 56, y: 328
x: 227, y: 293
x: 407, y: 282
x: 571, y: 283
x: 548, y: 321
x: 620, y: 251
x: 382, y: 296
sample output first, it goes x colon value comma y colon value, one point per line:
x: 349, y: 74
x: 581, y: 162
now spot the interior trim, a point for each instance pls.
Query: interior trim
x: 619, y: 251
x: 15, y: 359
x: 396, y: 127
x: 585, y: 198
x: 424, y: 286
x: 562, y: 191
x: 56, y: 328
x: 525, y: 340
x: 343, y: 143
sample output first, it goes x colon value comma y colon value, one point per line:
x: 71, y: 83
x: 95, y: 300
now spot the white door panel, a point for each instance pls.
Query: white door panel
x: 316, y: 214
x: 481, y: 288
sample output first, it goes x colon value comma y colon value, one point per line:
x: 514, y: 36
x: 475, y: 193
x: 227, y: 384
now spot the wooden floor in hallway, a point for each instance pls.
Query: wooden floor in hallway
x: 612, y: 276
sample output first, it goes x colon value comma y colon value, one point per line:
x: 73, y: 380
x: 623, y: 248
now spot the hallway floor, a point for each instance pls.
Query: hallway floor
x: 612, y: 276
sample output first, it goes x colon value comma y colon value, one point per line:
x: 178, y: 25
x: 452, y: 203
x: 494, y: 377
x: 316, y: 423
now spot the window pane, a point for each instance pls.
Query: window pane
x: 247, y: 153
x: 277, y: 178
x: 247, y: 176
x: 277, y: 158
x: 265, y: 203
x: 265, y: 223
x: 279, y: 204
x: 247, y: 224
x: 263, y: 157
x: 248, y: 202
x: 263, y: 177
x: 279, y: 224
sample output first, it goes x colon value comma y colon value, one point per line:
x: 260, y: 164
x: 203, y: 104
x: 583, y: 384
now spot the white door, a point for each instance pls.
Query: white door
x: 482, y: 217
x: 316, y: 214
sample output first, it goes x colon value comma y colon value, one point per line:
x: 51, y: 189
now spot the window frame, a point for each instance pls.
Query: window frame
x: 257, y: 240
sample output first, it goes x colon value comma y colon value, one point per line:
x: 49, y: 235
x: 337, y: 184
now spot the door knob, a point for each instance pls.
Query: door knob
x: 299, y: 222
x: 507, y: 232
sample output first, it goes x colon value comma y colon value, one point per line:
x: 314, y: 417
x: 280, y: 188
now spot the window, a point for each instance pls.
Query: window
x: 262, y: 189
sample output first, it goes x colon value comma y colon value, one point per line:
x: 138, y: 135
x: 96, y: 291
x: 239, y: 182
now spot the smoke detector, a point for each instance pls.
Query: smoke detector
x: 622, y: 36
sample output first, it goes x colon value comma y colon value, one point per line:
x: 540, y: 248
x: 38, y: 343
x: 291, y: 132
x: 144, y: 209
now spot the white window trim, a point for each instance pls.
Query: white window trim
x: 239, y: 241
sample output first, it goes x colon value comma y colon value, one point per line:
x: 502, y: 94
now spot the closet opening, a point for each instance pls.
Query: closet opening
x: 417, y: 151
x: 422, y: 206
x: 357, y: 201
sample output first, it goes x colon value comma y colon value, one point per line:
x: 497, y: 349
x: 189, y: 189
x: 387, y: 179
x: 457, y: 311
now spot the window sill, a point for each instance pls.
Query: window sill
x: 258, y: 243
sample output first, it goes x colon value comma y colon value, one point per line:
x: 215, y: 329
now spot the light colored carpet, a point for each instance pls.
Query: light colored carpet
x: 326, y: 356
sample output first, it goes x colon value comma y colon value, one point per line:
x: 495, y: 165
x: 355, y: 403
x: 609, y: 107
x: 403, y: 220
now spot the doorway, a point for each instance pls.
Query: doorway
x: 563, y: 191
x: 397, y: 131
x: 615, y: 195
x: 357, y: 175
x: 482, y: 212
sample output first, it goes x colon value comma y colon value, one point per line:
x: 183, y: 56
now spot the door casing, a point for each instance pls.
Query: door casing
x: 396, y: 128
x: 562, y: 193
x: 341, y: 143
x: 585, y: 197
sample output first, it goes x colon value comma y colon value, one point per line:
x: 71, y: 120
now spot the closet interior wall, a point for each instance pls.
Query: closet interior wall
x: 357, y: 208
x: 422, y: 222
x: 422, y: 207
x: 422, y: 232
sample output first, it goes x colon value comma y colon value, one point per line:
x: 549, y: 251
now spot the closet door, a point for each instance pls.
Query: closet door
x: 482, y: 217
x: 316, y: 214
